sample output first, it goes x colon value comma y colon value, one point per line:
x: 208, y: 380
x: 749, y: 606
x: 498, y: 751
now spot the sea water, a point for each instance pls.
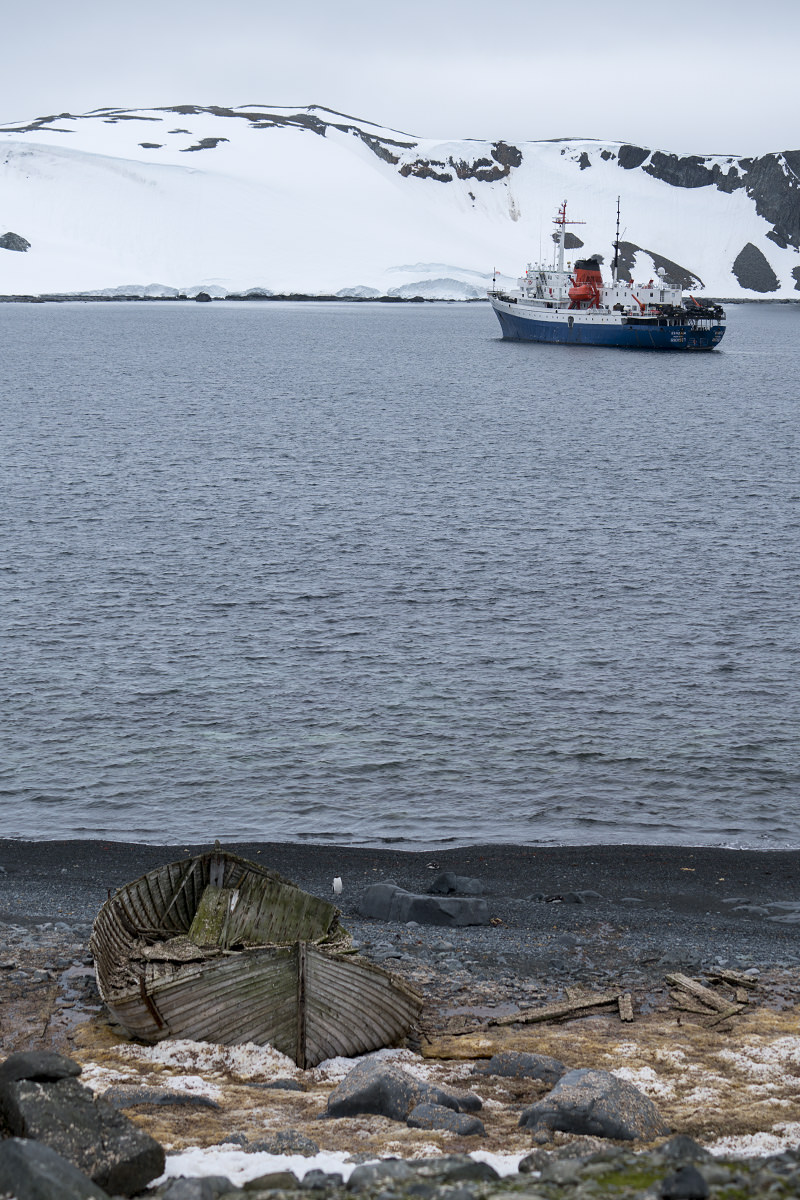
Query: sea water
x: 366, y: 573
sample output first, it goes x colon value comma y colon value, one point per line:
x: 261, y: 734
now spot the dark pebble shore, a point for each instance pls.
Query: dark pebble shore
x: 593, y: 915
x: 555, y: 910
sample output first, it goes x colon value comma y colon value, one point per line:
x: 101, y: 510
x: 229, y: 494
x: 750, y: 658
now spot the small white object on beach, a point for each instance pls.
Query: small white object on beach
x: 337, y: 886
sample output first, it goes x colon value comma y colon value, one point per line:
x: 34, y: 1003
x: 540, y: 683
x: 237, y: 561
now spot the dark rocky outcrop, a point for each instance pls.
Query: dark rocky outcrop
x: 675, y: 273
x: 631, y: 157
x: 571, y: 240
x: 753, y: 271
x: 595, y: 1103
x: 375, y: 1086
x: 41, y: 1099
x: 388, y: 902
x: 584, y: 161
x: 13, y: 241
x: 206, y: 143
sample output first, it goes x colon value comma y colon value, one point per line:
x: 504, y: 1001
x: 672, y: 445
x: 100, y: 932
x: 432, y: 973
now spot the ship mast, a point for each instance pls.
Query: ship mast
x: 561, y: 222
x: 616, y: 248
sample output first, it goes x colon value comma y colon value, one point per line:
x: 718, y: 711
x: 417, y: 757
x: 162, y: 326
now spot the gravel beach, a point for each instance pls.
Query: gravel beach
x: 561, y: 918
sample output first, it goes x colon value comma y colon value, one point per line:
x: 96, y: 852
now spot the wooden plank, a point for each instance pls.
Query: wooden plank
x: 686, y: 1004
x: 625, y: 1003
x: 730, y: 1011
x: 562, y: 1008
x: 699, y: 992
x: 735, y: 978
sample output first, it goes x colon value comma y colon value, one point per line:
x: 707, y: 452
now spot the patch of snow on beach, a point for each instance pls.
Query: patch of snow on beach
x: 646, y: 1080
x: 240, y: 1167
x: 247, y: 1061
x: 785, y: 1136
x: 504, y: 1164
x: 770, y: 1063
x: 100, y: 1078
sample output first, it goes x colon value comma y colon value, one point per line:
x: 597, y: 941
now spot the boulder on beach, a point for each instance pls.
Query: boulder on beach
x: 33, y: 1171
x: 388, y: 902
x: 42, y: 1100
x: 596, y: 1103
x: 376, y: 1086
x: 516, y: 1064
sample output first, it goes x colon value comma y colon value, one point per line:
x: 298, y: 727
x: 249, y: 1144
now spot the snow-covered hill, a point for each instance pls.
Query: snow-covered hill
x: 309, y: 200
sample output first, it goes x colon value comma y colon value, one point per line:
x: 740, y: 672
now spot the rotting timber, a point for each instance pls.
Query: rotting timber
x: 216, y: 948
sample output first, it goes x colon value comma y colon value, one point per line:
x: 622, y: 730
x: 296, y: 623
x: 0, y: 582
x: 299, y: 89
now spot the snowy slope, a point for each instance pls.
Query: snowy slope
x: 307, y: 200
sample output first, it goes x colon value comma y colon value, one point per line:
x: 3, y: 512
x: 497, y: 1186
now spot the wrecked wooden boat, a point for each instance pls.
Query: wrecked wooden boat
x: 215, y: 948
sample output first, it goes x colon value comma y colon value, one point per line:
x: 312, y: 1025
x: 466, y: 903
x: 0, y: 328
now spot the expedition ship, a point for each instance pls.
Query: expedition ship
x: 574, y: 306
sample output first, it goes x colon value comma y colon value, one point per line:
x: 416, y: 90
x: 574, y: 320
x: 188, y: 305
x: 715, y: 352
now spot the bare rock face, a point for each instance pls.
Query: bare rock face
x: 598, y: 1104
x: 42, y: 1100
x: 753, y: 271
x: 13, y: 241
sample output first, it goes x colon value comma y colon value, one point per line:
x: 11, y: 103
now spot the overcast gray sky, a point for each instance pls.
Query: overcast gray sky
x: 697, y: 76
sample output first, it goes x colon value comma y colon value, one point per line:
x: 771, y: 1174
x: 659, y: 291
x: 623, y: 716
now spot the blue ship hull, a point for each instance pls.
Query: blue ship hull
x: 689, y: 336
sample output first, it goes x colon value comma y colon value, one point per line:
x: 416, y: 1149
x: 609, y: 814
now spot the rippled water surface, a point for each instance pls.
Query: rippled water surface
x: 367, y: 573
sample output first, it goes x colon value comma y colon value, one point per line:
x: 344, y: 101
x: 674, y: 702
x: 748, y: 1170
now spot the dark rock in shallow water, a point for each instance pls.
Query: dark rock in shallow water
x: 375, y: 1086
x: 596, y: 1102
x: 90, y: 1134
x: 32, y: 1171
x: 436, y: 1116
x: 388, y: 902
x: 515, y: 1064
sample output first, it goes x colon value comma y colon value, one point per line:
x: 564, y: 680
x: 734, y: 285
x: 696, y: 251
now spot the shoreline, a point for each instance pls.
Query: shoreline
x: 648, y: 911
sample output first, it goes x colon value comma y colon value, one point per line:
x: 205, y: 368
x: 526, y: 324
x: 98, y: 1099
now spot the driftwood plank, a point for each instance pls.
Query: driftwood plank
x: 735, y: 978
x: 730, y: 1011
x: 699, y: 992
x: 562, y: 1008
x: 685, y: 1003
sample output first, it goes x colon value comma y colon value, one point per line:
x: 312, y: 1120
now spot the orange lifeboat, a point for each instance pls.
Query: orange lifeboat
x: 586, y: 284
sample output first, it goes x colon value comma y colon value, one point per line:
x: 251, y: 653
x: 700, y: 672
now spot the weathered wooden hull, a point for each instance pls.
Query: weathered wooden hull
x: 297, y: 992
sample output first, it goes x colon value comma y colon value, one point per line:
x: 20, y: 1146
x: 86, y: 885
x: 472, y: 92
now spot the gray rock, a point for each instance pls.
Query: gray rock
x: 121, y: 1096
x: 89, y: 1133
x: 455, y: 1168
x: 287, y: 1141
x: 449, y: 884
x: 208, y: 1188
x: 367, y: 1174
x: 375, y: 1086
x: 388, y: 902
x: 682, y: 1149
x: 596, y: 1102
x: 685, y: 1184
x: 515, y: 1064
x: 436, y: 1116
x: 41, y: 1065
x: 32, y: 1171
x: 13, y: 241
x: 274, y: 1181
